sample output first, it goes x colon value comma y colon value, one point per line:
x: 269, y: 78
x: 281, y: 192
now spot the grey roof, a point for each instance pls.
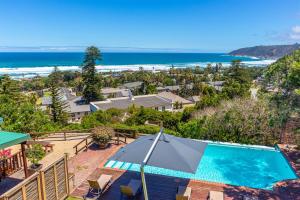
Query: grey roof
x: 119, y: 91
x: 147, y: 101
x: 133, y: 84
x: 77, y: 105
x: 172, y: 87
x: 46, y: 101
x: 194, y: 98
x: 174, y: 98
x: 171, y: 152
x: 216, y: 83
x: 65, y: 95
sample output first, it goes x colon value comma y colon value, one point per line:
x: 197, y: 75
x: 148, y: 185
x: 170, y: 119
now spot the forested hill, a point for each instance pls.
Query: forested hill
x: 269, y: 52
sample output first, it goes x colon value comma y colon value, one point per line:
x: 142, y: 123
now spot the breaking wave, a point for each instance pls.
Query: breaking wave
x: 29, y: 72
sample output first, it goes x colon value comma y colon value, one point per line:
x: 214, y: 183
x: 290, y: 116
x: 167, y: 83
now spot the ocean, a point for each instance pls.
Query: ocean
x: 30, y: 64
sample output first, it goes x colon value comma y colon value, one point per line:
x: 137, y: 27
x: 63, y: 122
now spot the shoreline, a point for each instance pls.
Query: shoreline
x: 30, y: 72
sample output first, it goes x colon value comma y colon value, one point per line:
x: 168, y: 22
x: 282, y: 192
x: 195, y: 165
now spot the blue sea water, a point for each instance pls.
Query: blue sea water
x: 236, y: 165
x: 41, y: 63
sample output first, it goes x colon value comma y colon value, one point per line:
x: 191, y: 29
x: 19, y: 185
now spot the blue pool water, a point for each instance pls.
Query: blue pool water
x: 230, y: 164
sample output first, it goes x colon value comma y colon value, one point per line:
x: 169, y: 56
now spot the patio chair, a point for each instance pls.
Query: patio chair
x: 183, y: 193
x: 216, y: 195
x: 97, y: 187
x: 132, y: 189
x: 249, y: 197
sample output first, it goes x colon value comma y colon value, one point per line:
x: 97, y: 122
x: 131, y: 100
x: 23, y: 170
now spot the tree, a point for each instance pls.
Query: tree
x: 58, y: 105
x: 9, y: 87
x: 151, y: 89
x: 208, y: 69
x: 91, y: 83
x: 238, y: 73
x: 284, y: 73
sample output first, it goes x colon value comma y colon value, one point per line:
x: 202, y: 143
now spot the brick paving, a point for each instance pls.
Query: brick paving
x: 83, y: 164
x: 164, y: 187
x: 90, y: 165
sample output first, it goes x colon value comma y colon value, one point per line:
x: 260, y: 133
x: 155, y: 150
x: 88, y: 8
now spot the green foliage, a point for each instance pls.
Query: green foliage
x: 35, y: 154
x: 234, y: 89
x: 207, y: 101
x: 100, y: 117
x: 97, y: 118
x: 58, y: 105
x: 102, y: 135
x: 284, y: 73
x: 10, y: 88
x: 187, y: 113
x: 239, y: 73
x: 143, y: 115
x: 151, y: 89
x: 19, y: 112
x: 241, y: 121
x: 91, y: 83
x: 144, y: 129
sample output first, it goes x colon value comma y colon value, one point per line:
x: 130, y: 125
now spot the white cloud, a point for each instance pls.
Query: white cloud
x: 295, y: 33
x: 296, y: 29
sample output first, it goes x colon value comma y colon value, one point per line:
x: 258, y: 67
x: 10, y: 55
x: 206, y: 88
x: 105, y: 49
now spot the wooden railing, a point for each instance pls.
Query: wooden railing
x: 118, y: 140
x: 50, y: 183
x: 42, y: 135
x: 10, y: 165
x: 84, y: 144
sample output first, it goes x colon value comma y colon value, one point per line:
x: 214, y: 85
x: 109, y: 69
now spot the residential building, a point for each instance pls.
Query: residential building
x: 74, y: 105
x: 161, y: 101
x: 133, y: 85
x: 194, y: 99
x: 148, y: 101
x: 77, y: 108
x: 218, y: 85
x: 114, y: 92
x: 177, y: 101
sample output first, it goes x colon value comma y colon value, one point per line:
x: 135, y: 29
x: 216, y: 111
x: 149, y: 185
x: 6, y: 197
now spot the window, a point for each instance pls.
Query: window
x: 163, y: 108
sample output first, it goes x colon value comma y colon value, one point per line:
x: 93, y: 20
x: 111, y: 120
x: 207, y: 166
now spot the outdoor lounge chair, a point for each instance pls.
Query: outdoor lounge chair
x: 132, y: 189
x: 183, y: 193
x: 249, y: 197
x: 216, y: 195
x: 97, y: 187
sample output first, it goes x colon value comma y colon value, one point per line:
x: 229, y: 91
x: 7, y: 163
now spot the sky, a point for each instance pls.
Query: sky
x: 147, y: 25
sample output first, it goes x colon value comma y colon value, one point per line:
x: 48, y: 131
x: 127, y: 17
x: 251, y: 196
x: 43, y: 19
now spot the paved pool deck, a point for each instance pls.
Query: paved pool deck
x: 90, y: 164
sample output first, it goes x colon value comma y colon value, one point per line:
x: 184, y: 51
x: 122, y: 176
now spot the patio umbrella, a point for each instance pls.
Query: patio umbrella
x: 164, y: 151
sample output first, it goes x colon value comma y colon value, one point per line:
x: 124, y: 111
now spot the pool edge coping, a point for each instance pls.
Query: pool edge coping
x: 290, y: 164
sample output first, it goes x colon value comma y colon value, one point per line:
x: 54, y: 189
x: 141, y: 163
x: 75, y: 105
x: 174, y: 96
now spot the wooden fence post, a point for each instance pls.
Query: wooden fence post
x: 43, y: 185
x: 67, y: 174
x: 23, y: 192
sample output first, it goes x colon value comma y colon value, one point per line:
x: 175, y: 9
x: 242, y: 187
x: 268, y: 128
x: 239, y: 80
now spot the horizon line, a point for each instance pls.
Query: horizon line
x: 105, y: 49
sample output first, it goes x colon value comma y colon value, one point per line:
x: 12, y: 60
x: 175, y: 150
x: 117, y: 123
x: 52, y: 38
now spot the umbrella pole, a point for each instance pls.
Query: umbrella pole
x: 144, y: 183
x: 145, y: 162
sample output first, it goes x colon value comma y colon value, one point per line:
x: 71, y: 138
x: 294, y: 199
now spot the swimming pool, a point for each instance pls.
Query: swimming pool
x: 256, y: 167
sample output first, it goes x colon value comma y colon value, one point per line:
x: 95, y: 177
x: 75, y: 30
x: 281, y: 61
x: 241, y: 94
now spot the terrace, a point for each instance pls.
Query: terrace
x: 164, y: 187
x: 90, y: 165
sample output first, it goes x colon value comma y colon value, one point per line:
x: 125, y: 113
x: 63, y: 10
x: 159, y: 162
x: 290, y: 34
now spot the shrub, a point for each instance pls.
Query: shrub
x: 35, y: 154
x: 102, y: 135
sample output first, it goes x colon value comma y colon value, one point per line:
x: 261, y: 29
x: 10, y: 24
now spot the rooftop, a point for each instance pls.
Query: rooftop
x: 132, y: 84
x: 174, y: 97
x: 77, y: 105
x: 148, y: 101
